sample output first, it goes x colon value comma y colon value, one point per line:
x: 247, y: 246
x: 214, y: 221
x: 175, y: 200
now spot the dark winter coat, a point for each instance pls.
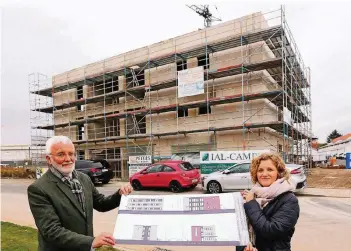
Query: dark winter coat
x: 59, y: 217
x: 274, y: 225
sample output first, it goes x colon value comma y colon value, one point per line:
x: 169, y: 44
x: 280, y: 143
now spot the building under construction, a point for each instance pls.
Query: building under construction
x: 238, y: 85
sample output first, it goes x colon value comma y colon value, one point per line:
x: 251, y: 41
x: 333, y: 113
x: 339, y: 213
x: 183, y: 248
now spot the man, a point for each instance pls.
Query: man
x: 62, y: 202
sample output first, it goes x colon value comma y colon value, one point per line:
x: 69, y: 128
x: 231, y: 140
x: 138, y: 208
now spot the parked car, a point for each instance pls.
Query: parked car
x: 238, y: 177
x: 97, y: 170
x: 175, y: 174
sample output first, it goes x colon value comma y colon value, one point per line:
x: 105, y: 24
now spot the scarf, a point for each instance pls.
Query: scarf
x: 73, y: 183
x: 264, y: 195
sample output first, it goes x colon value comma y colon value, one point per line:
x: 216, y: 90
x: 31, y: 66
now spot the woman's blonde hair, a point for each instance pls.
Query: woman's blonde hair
x: 278, y: 162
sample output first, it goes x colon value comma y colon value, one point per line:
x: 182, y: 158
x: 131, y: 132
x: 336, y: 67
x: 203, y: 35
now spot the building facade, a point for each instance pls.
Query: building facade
x: 238, y: 85
x: 20, y: 155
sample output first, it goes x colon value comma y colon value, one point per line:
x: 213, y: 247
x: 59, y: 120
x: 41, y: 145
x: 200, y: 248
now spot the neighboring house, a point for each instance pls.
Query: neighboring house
x: 15, y: 155
x: 20, y: 155
x: 337, y: 148
x: 342, y: 138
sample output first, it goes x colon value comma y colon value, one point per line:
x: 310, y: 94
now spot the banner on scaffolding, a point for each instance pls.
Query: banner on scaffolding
x: 191, y: 82
x: 213, y: 161
x: 287, y: 116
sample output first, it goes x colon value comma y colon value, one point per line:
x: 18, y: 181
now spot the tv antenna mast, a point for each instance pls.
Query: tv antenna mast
x: 204, y: 11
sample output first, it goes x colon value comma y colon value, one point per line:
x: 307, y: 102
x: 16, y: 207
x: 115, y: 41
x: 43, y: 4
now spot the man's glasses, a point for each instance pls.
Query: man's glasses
x: 63, y: 155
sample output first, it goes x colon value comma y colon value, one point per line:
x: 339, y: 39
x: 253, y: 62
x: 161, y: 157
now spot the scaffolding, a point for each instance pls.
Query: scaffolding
x: 256, y: 95
x: 37, y: 82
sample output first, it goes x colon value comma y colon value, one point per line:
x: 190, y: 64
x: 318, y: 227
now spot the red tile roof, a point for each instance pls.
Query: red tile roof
x: 344, y: 137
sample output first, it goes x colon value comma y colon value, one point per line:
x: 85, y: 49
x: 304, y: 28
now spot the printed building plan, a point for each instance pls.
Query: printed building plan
x: 182, y: 222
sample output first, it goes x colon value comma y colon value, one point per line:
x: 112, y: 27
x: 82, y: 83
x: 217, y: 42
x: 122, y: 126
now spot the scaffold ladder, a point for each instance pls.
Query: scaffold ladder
x: 135, y: 79
x: 136, y: 124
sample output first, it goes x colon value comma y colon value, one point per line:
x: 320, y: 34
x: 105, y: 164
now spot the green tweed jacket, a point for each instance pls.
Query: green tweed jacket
x: 58, y: 215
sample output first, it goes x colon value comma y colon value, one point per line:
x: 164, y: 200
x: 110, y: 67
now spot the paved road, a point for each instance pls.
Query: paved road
x: 324, y: 224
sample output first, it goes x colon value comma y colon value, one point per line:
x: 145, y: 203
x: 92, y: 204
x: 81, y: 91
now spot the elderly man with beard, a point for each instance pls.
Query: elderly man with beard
x: 62, y: 202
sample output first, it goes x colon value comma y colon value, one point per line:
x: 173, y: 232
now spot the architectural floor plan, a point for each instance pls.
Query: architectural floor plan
x: 182, y: 221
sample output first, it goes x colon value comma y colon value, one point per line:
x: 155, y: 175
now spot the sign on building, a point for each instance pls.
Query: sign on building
x: 213, y: 161
x: 191, y: 82
x: 137, y: 163
x: 142, y: 159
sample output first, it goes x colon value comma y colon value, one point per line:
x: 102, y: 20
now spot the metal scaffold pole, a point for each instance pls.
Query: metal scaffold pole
x: 285, y: 133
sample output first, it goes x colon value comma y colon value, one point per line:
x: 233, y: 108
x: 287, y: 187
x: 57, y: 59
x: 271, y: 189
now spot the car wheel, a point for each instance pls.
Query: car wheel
x: 214, y: 187
x: 136, y: 185
x: 175, y: 187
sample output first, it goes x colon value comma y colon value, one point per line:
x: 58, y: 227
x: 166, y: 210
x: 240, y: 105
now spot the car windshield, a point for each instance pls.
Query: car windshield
x: 96, y: 165
x: 232, y: 167
x: 186, y: 166
x: 88, y: 164
x: 238, y: 166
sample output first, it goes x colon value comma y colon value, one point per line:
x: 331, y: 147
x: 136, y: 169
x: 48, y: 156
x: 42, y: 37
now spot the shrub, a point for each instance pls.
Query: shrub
x: 12, y: 172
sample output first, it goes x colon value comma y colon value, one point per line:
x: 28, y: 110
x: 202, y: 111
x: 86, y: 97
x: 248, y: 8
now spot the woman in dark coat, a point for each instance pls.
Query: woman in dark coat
x: 271, y: 207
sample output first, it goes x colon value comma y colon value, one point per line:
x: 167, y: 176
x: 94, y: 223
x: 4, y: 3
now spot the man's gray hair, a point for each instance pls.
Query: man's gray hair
x: 54, y: 140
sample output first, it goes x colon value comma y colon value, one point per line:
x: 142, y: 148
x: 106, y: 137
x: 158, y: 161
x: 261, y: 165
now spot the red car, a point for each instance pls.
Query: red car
x: 174, y: 174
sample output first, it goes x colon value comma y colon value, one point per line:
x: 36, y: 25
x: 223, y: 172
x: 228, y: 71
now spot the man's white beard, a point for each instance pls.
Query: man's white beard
x: 64, y: 170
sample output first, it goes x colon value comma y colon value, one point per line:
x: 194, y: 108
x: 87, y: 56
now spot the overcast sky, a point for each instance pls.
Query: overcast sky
x: 51, y: 37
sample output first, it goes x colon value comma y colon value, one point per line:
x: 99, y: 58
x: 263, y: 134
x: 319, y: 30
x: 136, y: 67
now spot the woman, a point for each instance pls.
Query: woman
x: 271, y: 207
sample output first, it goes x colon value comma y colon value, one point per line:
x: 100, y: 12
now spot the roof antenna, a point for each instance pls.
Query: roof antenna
x: 205, y: 13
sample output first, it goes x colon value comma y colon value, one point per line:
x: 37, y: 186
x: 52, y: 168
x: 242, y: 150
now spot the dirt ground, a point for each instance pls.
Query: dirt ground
x: 329, y: 178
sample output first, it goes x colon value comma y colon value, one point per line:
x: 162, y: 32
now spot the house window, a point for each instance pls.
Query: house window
x: 80, y: 132
x: 182, y: 65
x: 183, y: 112
x: 203, y: 110
x: 204, y: 61
x: 80, y: 154
x: 79, y: 92
x: 80, y: 108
